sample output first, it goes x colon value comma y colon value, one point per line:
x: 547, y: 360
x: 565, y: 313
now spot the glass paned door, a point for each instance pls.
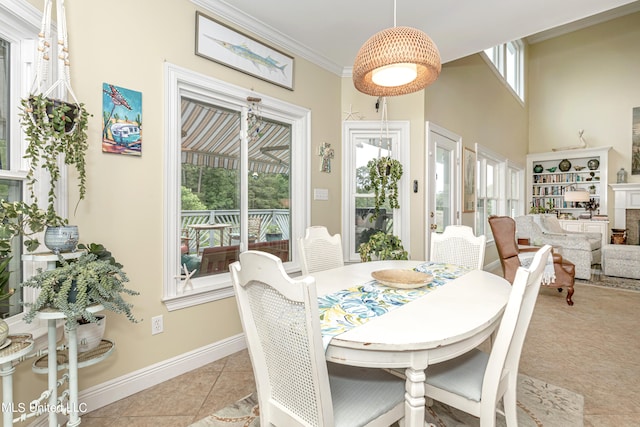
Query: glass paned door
x: 443, y: 188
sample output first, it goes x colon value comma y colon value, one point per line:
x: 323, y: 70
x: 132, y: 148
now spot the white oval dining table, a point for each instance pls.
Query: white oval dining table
x: 446, y: 322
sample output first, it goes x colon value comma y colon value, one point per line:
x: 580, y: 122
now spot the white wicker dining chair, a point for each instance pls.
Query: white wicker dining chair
x: 295, y: 384
x: 319, y: 250
x: 476, y: 381
x: 458, y: 245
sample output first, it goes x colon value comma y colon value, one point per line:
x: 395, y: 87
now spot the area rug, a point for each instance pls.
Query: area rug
x: 539, y: 404
x: 598, y: 279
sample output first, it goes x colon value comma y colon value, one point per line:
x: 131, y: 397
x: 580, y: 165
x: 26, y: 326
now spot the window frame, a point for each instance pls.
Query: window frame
x: 182, y: 82
x: 19, y: 25
x: 399, y: 132
x: 505, y: 192
x: 496, y: 57
x: 515, y: 171
x: 487, y: 157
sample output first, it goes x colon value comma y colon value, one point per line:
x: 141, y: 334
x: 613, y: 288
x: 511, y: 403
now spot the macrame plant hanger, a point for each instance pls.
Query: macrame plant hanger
x: 384, y: 129
x: 62, y: 86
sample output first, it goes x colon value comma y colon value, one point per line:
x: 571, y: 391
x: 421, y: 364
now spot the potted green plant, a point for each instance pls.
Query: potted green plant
x: 273, y: 232
x: 384, y: 175
x: 24, y: 219
x: 76, y: 285
x: 5, y: 293
x: 382, y: 246
x: 55, y: 130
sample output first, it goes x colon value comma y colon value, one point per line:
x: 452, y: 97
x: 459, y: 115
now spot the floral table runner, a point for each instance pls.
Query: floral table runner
x: 345, y: 309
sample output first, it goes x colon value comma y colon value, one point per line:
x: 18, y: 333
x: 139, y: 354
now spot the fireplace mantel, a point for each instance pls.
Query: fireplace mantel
x: 627, y: 196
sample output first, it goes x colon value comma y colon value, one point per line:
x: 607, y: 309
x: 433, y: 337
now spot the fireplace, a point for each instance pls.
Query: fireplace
x: 627, y: 210
x: 632, y: 217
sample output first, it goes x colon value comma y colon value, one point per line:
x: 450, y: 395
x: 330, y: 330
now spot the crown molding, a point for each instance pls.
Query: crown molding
x: 584, y: 23
x: 235, y: 16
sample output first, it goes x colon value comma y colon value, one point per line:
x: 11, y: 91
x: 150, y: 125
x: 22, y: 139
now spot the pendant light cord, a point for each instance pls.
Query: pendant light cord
x: 395, y: 10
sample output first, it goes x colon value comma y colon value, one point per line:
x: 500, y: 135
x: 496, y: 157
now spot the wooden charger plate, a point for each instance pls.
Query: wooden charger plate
x: 403, y: 279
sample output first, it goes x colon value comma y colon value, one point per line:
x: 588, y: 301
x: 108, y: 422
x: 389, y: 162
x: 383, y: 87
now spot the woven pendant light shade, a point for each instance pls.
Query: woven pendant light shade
x: 397, y: 45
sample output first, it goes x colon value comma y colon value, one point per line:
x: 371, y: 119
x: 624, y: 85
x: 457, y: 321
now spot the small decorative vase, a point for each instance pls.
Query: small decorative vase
x: 4, y: 332
x: 89, y: 334
x: 593, y: 164
x: 538, y: 168
x: 564, y: 165
x: 622, y: 176
x: 61, y: 239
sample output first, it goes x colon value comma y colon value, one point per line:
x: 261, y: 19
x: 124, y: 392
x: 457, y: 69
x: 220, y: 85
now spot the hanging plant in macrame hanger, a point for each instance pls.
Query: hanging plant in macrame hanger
x: 54, y: 122
x: 384, y: 173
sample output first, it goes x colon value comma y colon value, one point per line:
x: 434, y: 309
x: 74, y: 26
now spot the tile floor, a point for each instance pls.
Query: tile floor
x: 591, y: 348
x: 182, y: 400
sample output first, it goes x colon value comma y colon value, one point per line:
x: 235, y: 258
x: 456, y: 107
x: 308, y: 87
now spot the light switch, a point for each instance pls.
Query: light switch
x: 320, y: 194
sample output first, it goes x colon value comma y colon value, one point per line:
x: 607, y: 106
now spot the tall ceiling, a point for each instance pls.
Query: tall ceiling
x: 329, y: 33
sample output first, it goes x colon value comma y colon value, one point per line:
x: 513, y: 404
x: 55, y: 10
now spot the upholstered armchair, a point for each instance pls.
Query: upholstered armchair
x: 504, y: 234
x: 582, y: 249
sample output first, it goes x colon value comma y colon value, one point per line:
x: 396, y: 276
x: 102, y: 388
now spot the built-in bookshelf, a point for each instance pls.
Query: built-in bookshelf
x: 552, y: 174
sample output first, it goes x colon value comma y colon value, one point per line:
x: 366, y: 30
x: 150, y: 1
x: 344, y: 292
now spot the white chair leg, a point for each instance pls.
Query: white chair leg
x: 510, y: 407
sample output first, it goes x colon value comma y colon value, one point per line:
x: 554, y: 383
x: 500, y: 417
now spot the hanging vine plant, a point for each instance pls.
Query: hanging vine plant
x: 54, y: 130
x: 384, y: 175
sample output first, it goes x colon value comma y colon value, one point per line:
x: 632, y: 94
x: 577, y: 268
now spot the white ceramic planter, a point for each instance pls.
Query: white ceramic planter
x: 89, y: 334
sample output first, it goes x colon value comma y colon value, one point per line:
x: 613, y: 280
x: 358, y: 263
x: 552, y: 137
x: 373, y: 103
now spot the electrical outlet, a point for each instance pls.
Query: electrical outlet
x: 156, y: 325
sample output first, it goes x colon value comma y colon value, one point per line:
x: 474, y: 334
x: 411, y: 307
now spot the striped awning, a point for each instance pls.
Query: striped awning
x: 211, y: 137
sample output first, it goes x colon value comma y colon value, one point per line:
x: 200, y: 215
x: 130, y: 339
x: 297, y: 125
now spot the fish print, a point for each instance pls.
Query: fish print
x: 245, y: 52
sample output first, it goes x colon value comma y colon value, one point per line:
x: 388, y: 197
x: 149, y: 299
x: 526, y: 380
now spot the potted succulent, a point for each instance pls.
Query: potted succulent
x: 382, y: 246
x: 384, y: 175
x: 75, y: 285
x: 273, y: 232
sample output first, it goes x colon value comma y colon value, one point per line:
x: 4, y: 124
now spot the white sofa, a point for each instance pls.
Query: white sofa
x: 582, y: 249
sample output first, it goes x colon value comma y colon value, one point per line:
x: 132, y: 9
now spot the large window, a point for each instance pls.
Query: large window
x: 508, y: 60
x: 500, y: 189
x: 237, y: 175
x: 19, y: 26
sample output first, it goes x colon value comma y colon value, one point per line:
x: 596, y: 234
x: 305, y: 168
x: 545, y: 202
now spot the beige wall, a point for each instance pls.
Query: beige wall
x: 587, y: 80
x: 125, y: 196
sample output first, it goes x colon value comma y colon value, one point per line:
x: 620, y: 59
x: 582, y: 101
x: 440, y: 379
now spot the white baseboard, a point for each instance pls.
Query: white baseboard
x: 111, y: 391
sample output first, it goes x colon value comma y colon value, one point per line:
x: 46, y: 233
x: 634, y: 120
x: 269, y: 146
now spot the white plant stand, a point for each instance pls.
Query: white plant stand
x: 69, y: 360
x: 68, y: 355
x: 21, y: 345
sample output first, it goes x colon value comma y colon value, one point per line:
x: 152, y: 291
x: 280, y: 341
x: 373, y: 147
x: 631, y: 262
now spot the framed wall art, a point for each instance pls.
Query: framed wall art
x: 122, y: 120
x: 469, y: 180
x: 224, y: 45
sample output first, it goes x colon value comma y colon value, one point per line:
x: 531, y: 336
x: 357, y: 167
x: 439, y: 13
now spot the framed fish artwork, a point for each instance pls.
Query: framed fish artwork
x: 222, y: 44
x: 121, y: 120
